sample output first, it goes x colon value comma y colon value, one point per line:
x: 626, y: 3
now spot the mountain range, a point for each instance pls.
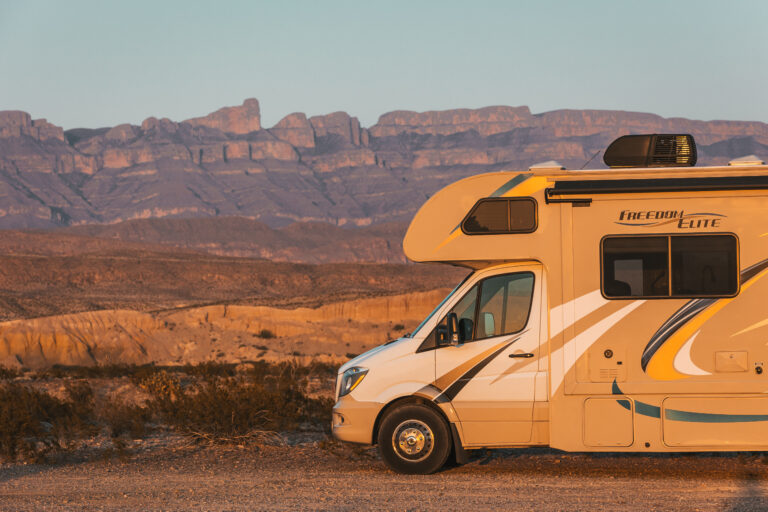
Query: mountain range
x: 326, y: 169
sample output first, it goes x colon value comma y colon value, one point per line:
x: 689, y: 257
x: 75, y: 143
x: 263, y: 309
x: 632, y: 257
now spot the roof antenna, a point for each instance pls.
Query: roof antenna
x: 590, y: 159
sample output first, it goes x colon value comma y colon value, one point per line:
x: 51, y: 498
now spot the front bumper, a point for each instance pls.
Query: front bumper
x: 353, y: 421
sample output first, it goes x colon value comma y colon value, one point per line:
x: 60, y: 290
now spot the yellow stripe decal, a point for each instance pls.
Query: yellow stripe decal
x: 661, y: 365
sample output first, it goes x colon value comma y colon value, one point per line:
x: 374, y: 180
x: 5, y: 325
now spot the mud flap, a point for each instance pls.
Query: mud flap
x: 462, y: 457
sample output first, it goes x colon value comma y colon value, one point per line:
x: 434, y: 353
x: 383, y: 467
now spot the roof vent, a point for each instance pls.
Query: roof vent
x: 657, y: 150
x: 549, y: 165
x: 746, y: 160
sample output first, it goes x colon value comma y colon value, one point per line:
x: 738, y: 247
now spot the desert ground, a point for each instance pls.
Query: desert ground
x: 71, y: 299
x: 118, y: 316
x: 318, y: 475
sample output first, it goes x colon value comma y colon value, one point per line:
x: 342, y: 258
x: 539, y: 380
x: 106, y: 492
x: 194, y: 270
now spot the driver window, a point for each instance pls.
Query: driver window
x: 504, y: 305
x: 505, y: 302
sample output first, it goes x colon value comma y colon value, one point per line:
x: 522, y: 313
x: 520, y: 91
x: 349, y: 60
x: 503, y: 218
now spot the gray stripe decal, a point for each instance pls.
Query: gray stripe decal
x: 458, y: 385
x: 653, y: 411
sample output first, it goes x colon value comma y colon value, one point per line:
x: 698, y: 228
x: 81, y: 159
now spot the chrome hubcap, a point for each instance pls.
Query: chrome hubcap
x: 413, y: 440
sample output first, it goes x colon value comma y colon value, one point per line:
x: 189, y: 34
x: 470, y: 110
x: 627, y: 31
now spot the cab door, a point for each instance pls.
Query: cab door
x: 489, y: 372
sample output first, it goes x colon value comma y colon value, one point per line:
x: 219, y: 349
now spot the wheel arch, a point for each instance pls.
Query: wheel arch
x: 404, y: 400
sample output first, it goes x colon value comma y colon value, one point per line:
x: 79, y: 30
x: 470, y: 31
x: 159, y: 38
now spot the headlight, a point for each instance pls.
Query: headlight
x: 350, y: 379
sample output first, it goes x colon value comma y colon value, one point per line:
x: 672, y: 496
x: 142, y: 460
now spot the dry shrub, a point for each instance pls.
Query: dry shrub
x: 210, y: 369
x: 212, y: 401
x: 8, y: 373
x: 123, y: 419
x: 219, y: 405
x: 34, y: 423
x: 161, y: 385
x: 266, y: 334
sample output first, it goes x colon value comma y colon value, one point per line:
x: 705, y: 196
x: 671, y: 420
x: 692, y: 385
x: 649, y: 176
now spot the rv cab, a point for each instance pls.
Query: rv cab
x: 616, y: 309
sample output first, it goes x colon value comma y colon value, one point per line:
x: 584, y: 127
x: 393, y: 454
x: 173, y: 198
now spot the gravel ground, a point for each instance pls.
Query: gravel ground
x: 329, y: 476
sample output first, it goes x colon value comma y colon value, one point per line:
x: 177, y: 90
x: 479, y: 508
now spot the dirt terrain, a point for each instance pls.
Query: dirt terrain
x: 80, y: 300
x: 54, y: 274
x: 324, y: 476
x: 126, y: 301
x: 300, y: 242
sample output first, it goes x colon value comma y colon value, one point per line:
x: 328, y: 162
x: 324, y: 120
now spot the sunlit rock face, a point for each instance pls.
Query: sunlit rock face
x: 237, y: 120
x: 325, y: 168
x: 222, y: 333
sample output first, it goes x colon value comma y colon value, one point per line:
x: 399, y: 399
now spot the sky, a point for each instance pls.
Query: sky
x: 101, y: 63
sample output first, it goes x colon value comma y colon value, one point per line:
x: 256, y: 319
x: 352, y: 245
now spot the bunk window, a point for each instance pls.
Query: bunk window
x: 499, y: 215
x: 674, y: 266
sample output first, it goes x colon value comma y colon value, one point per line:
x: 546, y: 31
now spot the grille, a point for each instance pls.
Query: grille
x: 671, y: 150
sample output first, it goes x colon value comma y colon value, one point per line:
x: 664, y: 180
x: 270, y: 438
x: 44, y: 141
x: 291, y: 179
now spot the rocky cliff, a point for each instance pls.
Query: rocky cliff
x: 318, y: 169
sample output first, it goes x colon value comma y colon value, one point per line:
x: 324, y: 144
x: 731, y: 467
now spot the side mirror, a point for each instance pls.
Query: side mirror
x: 448, y: 330
x: 453, y: 328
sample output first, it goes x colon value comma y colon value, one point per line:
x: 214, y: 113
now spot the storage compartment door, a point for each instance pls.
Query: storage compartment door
x: 721, y: 421
x: 608, y: 422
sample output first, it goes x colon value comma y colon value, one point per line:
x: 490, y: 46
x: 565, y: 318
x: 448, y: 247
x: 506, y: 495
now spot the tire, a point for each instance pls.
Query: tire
x: 414, y: 439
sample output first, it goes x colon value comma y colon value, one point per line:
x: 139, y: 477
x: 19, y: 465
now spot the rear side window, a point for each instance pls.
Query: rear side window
x: 636, y: 267
x: 704, y: 265
x: 499, y: 215
x: 670, y: 266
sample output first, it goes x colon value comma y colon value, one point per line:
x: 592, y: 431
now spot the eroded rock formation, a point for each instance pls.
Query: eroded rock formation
x: 325, y: 168
x: 224, y: 333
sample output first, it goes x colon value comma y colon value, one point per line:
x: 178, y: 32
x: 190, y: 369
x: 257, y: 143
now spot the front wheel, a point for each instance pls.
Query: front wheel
x: 414, y: 439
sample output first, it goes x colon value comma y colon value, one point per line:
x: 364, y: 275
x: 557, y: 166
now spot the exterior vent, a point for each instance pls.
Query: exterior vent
x: 651, y: 151
x: 549, y: 165
x: 746, y: 160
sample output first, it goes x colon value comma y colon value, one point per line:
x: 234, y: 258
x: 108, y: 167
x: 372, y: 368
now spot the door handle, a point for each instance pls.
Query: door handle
x: 525, y: 355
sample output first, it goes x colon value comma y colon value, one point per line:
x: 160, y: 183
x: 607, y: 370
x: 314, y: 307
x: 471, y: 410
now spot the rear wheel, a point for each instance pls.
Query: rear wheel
x: 414, y: 439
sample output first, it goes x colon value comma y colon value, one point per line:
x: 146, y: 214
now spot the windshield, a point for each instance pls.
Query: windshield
x: 434, y: 311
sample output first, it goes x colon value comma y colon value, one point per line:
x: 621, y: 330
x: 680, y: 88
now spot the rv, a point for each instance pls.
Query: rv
x: 619, y: 309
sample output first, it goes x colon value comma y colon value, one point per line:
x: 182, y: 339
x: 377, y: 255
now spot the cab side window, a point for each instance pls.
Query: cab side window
x: 505, y: 302
x: 496, y: 306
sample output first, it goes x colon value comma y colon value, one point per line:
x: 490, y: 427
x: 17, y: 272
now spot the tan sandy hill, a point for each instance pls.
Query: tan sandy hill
x: 223, y: 333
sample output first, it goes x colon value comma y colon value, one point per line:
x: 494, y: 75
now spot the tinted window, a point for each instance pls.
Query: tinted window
x: 704, y: 265
x: 701, y: 266
x: 635, y: 267
x: 501, y: 215
x: 505, y: 302
x: 490, y: 215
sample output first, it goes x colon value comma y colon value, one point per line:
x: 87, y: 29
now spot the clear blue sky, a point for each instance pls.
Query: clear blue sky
x: 100, y: 63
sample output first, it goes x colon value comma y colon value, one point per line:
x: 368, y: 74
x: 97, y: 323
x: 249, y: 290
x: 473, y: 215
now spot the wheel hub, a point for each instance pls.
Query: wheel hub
x: 413, y: 440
